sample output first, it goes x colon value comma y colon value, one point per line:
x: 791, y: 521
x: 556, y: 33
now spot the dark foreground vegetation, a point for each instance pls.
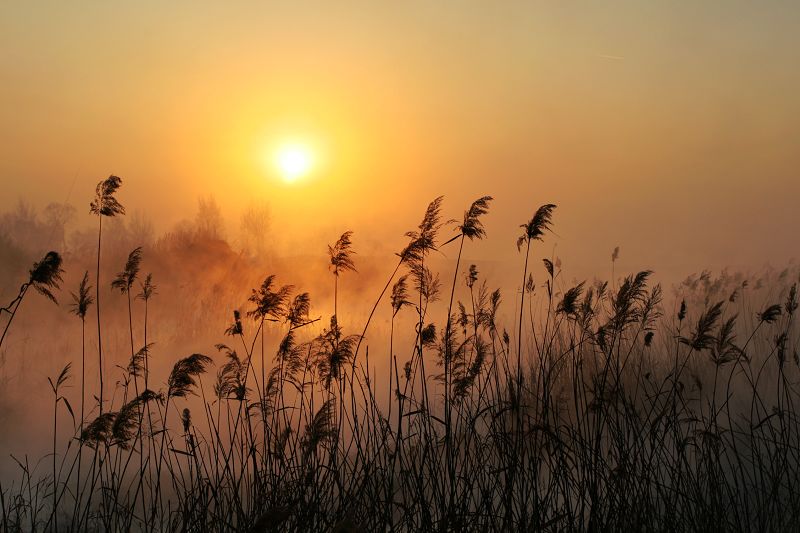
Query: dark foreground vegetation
x: 598, y: 408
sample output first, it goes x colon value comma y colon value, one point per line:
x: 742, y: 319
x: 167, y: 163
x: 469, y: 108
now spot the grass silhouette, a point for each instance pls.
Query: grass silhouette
x: 604, y: 411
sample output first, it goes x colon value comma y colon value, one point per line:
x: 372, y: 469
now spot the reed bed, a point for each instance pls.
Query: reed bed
x: 600, y: 408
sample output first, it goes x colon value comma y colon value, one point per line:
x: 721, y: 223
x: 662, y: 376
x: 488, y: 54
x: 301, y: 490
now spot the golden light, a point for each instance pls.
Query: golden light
x: 293, y: 161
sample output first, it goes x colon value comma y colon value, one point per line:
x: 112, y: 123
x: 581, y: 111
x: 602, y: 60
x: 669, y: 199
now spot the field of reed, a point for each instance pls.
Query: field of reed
x: 599, y: 406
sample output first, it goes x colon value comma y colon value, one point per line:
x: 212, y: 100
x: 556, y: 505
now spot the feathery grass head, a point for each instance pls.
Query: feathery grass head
x: 423, y: 240
x: 448, y: 345
x: 83, y: 299
x: 45, y: 275
x: 791, y: 300
x: 182, y: 378
x: 682, y: 311
x: 534, y: 229
x: 148, y: 395
x: 530, y: 284
x: 629, y: 303
x: 463, y: 317
x: 98, y: 430
x: 341, y: 354
x: 472, y: 226
x: 334, y: 352
x: 269, y: 303
x: 104, y: 203
x: 125, y: 279
x: 587, y: 310
x: 569, y: 303
x: 472, y: 276
x: 426, y: 281
x: 428, y: 335
x: 466, y: 373
x: 340, y: 254
x: 724, y: 349
x: 61, y: 379
x: 297, y: 311
x: 291, y: 354
x: 148, y: 289
x: 770, y: 314
x: 321, y: 428
x: 548, y: 265
x: 125, y: 424
x: 400, y: 295
x: 231, y: 376
x: 702, y: 338
x: 137, y: 365
x: 271, y: 390
x: 186, y: 419
x: 650, y: 310
x: 487, y: 314
x: 236, y: 327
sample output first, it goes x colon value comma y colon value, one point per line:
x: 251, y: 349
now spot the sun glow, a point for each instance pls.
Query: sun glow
x: 293, y: 161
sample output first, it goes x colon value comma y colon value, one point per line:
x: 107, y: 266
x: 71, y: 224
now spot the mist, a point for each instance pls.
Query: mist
x: 208, y: 264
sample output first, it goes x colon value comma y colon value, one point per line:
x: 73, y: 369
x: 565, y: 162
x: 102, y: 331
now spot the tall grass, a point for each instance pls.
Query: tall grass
x: 607, y: 410
x: 104, y: 204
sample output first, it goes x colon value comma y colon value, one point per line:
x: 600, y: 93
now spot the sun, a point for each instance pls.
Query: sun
x: 293, y: 161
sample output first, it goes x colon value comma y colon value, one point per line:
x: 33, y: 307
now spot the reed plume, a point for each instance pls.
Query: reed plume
x: 472, y: 225
x: 423, y: 240
x: 125, y: 279
x: 340, y: 255
x: 126, y: 423
x: 269, y: 303
x: 45, y: 276
x: 148, y: 289
x: 138, y: 362
x: 321, y: 428
x: 182, y: 377
x: 99, y: 430
x: 82, y: 299
x: 231, y: 376
x: 536, y: 227
x: 399, y: 298
x: 105, y: 203
x: 334, y: 351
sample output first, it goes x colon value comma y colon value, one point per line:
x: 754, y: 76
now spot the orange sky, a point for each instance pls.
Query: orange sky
x: 670, y: 129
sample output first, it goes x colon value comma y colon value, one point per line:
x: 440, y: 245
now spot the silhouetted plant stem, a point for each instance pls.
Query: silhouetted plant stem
x: 448, y: 355
x: 15, y: 306
x: 375, y: 306
x: 97, y: 309
x: 519, y: 329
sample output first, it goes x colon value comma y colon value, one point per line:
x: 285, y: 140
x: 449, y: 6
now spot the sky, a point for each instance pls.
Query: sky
x: 670, y: 129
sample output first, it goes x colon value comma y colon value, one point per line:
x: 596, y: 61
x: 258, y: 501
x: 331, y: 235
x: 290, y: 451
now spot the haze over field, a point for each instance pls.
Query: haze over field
x: 668, y: 129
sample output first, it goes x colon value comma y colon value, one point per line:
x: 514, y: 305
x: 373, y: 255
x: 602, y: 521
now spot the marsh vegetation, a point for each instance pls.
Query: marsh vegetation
x: 598, y: 406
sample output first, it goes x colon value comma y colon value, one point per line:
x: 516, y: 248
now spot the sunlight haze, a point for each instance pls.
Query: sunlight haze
x: 653, y: 126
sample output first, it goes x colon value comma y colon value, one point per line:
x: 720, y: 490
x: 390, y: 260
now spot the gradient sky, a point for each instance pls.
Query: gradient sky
x: 671, y: 129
